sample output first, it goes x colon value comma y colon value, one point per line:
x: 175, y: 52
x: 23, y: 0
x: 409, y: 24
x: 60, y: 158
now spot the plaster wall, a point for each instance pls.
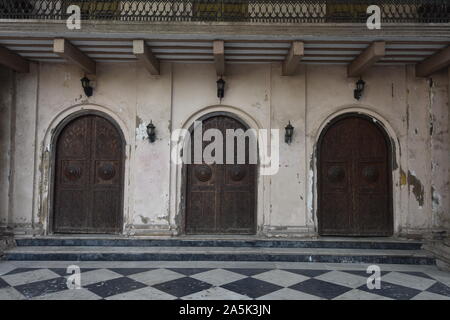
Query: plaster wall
x: 413, y: 112
x: 6, y: 112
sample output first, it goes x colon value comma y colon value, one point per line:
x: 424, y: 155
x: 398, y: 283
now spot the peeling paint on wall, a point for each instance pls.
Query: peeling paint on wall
x: 417, y: 187
x: 393, y: 153
x: 403, y: 179
x: 141, y: 132
x: 435, y: 198
x: 144, y: 219
x: 138, y: 121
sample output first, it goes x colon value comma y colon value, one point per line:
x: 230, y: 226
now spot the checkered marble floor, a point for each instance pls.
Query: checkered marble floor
x: 219, y: 281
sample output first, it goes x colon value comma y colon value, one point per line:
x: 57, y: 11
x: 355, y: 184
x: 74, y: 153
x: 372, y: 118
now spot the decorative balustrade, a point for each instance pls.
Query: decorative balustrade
x: 259, y: 11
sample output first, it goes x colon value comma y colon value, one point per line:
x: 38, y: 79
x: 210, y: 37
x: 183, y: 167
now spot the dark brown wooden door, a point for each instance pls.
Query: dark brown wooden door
x: 221, y: 198
x: 354, y: 179
x: 88, y: 177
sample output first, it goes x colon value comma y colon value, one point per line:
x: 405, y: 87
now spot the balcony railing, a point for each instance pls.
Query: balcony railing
x: 262, y: 11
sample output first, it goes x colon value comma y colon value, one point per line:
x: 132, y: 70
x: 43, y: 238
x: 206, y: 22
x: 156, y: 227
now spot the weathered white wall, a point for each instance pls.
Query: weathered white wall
x: 23, y: 167
x: 407, y: 107
x: 6, y: 113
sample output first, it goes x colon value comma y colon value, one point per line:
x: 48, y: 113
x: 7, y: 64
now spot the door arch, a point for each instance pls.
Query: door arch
x: 88, y: 175
x: 354, y: 157
x: 220, y: 198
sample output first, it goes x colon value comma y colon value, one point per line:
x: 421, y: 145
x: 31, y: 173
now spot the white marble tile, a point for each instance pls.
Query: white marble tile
x: 343, y: 279
x: 356, y: 294
x: 407, y: 280
x: 430, y: 296
x: 29, y: 276
x: 216, y: 293
x: 6, y: 267
x: 147, y: 293
x: 218, y: 277
x: 10, y: 293
x: 280, y: 277
x: 156, y: 276
x: 75, y: 294
x: 288, y: 294
x: 96, y: 276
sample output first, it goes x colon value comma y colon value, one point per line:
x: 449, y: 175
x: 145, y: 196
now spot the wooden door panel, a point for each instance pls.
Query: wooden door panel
x: 354, y: 179
x: 73, y: 142
x: 201, y: 216
x: 235, y: 208
x: 336, y: 221
x: 72, y: 214
x: 107, y: 142
x: 371, y: 219
x: 89, y: 177
x: 105, y: 202
x: 227, y: 201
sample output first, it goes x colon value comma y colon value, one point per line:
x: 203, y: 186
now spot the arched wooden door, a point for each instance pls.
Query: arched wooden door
x: 355, y: 187
x: 88, y: 179
x: 221, y: 198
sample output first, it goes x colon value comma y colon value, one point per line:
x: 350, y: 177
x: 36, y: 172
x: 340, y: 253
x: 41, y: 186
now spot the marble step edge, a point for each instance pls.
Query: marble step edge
x: 309, y: 243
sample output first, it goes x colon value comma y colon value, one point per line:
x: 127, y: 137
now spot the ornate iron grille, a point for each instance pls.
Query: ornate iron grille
x: 262, y: 11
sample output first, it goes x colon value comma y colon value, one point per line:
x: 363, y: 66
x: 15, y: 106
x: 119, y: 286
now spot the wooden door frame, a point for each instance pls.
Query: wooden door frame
x: 54, y: 141
x: 390, y: 165
x: 183, y: 203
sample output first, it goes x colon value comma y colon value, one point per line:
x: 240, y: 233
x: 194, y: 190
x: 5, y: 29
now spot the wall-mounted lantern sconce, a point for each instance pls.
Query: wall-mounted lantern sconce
x: 86, y: 83
x: 289, y: 133
x: 151, y: 132
x: 220, y: 88
x: 359, y: 89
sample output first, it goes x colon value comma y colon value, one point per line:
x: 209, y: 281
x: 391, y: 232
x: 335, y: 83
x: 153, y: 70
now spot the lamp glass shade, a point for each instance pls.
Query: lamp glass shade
x: 220, y: 84
x: 360, y: 85
x: 85, y: 82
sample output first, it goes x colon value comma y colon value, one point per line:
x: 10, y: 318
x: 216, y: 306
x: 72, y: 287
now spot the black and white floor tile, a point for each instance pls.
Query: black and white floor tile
x: 213, y: 283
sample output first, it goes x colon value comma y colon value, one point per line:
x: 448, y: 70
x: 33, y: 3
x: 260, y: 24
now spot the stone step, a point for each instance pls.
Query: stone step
x: 187, y: 253
x: 327, y: 243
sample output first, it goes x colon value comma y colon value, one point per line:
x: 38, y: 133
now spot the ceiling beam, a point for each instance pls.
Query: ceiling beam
x: 295, y: 55
x: 433, y: 63
x: 13, y: 61
x: 366, y: 59
x: 72, y: 54
x: 144, y: 54
x: 219, y: 56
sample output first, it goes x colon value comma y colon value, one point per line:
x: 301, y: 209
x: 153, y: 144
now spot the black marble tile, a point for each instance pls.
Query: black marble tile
x: 251, y: 287
x: 39, y: 288
x: 319, y: 288
x: 417, y: 274
x: 307, y: 272
x: 247, y: 272
x: 189, y: 271
x: 115, y: 286
x: 21, y: 270
x: 130, y: 271
x: 440, y: 288
x: 3, y: 283
x: 63, y: 271
x: 392, y: 291
x: 183, y: 286
x: 364, y: 274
